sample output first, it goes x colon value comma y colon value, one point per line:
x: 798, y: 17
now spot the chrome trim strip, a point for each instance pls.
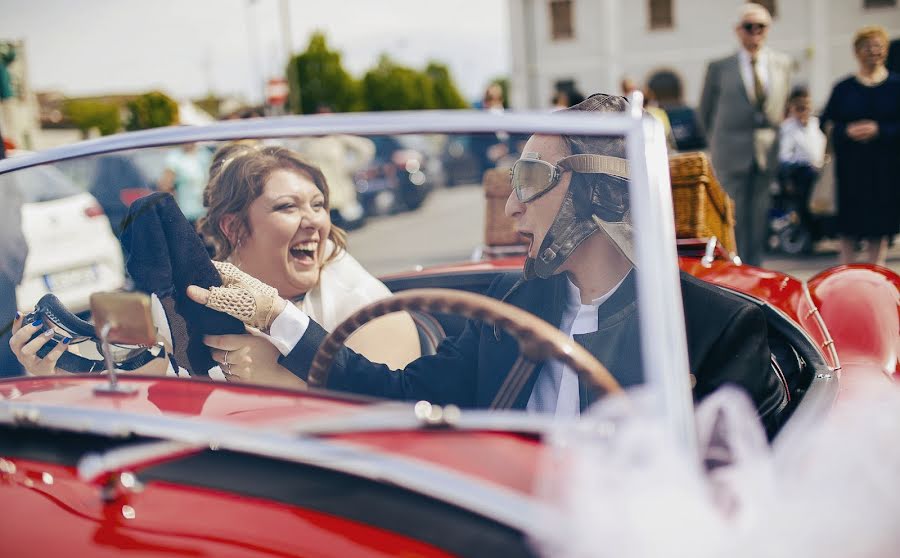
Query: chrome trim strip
x: 400, y: 122
x: 828, y: 342
x: 478, y: 496
x: 94, y: 465
x: 383, y: 419
x: 709, y: 254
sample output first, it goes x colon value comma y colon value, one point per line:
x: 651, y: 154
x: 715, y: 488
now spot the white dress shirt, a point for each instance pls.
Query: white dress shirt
x: 556, y: 388
x: 801, y: 144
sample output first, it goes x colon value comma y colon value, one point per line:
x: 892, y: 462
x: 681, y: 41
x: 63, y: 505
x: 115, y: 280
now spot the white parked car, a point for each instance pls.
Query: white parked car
x: 72, y: 251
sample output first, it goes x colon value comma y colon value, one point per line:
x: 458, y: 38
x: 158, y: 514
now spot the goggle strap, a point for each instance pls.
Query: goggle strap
x: 595, y: 164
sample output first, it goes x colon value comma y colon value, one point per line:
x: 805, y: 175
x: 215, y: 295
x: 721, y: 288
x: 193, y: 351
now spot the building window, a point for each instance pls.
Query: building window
x: 561, y: 19
x: 660, y: 14
x: 767, y: 4
x: 879, y: 3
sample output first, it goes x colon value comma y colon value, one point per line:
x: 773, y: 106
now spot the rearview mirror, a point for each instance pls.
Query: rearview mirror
x: 125, y: 316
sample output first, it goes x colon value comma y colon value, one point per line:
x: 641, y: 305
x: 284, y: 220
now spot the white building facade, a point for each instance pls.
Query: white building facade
x: 593, y: 44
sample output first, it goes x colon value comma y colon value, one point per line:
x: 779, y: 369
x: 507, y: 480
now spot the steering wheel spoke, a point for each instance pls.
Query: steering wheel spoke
x: 516, y: 378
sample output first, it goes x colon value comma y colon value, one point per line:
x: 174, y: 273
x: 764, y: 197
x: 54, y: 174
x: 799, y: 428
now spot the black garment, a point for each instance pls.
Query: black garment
x: 163, y: 256
x: 727, y: 344
x: 866, y: 173
x: 893, y: 58
x: 685, y: 128
x: 114, y: 174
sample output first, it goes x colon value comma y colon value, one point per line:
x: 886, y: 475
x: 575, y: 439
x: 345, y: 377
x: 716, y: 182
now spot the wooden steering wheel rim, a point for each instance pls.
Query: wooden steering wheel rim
x: 538, y: 340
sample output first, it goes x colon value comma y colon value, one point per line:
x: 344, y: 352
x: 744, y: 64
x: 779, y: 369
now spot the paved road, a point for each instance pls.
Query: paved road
x: 447, y: 228
x: 451, y: 224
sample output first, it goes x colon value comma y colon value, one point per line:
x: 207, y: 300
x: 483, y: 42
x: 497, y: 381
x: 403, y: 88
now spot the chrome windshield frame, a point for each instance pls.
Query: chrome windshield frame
x: 664, y: 347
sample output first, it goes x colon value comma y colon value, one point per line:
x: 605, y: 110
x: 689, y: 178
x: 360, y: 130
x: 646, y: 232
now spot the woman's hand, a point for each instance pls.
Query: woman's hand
x: 862, y: 130
x: 242, y: 296
x: 250, y: 359
x: 25, y: 348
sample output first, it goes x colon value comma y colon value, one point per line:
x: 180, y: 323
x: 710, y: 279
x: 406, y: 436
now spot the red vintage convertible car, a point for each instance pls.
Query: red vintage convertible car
x: 192, y: 467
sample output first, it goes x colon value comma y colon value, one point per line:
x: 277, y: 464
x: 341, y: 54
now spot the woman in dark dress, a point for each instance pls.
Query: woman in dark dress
x: 864, y: 115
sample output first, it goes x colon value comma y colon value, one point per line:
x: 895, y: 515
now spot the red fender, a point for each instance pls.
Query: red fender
x: 859, y: 304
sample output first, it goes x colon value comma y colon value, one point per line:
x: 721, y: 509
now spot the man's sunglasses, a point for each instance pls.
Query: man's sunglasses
x: 753, y: 27
x: 532, y: 178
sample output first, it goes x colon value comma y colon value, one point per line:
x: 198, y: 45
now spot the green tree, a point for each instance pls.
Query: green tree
x: 317, y: 77
x: 445, y: 93
x: 390, y: 86
x: 86, y: 114
x: 151, y: 110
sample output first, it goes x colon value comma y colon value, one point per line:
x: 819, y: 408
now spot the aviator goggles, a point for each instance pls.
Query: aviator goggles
x: 532, y: 178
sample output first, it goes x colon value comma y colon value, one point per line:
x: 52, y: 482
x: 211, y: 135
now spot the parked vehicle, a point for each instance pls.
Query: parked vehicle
x: 396, y: 179
x: 462, y: 164
x: 72, y: 251
x: 466, y: 157
x: 151, y: 465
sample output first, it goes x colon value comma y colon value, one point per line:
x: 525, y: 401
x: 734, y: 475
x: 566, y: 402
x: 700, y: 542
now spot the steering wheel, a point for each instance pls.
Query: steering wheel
x: 538, y: 340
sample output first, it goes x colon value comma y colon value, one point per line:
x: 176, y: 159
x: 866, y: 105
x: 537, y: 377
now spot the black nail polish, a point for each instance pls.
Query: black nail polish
x: 38, y: 322
x: 66, y: 340
x: 18, y: 314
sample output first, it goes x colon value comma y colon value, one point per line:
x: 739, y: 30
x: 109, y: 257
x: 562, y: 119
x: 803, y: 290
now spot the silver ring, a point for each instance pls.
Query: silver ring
x: 227, y: 368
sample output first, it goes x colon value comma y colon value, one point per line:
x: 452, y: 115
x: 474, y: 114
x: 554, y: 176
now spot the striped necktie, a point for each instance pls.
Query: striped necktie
x: 759, y: 90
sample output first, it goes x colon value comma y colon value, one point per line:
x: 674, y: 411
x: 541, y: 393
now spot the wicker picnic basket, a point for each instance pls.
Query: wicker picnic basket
x: 702, y: 208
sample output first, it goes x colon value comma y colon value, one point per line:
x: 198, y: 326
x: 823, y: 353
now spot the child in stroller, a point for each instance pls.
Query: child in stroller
x: 793, y: 229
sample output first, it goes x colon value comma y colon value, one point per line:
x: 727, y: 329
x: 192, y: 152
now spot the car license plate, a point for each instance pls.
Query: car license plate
x: 70, y: 278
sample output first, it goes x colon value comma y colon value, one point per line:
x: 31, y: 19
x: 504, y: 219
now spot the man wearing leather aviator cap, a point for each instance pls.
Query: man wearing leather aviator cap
x: 571, y: 199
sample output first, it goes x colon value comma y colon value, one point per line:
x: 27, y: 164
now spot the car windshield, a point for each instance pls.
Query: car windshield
x: 44, y: 184
x: 336, y: 222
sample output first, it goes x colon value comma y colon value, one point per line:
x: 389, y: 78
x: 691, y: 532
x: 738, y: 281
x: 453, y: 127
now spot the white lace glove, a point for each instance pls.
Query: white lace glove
x: 244, y: 297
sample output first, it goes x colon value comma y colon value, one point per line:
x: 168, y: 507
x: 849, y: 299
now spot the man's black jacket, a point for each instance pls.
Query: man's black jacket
x: 727, y: 344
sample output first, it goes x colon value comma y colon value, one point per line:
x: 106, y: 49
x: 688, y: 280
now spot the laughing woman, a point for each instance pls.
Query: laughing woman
x: 268, y: 215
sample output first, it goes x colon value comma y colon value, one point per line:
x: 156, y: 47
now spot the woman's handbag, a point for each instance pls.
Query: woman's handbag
x: 823, y: 198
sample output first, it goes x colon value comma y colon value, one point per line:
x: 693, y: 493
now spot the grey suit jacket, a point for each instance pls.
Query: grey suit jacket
x: 738, y: 135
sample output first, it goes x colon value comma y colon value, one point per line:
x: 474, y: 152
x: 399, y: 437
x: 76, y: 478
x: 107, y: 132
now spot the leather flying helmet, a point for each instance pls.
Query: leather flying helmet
x: 597, y: 197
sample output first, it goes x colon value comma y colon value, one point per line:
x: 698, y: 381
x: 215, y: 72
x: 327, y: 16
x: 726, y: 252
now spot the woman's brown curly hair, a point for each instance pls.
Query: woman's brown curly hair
x: 237, y: 176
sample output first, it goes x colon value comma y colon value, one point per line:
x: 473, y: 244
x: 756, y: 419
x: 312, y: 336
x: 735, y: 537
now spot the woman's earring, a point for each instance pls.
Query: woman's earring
x: 236, y: 256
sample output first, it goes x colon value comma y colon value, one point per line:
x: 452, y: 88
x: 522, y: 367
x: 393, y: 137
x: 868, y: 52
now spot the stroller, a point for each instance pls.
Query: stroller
x: 793, y: 229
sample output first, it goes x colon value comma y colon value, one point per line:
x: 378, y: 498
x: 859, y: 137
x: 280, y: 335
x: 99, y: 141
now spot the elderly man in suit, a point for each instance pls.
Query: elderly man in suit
x: 742, y: 104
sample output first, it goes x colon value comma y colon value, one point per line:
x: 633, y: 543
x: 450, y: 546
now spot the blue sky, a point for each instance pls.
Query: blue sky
x: 187, y: 47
